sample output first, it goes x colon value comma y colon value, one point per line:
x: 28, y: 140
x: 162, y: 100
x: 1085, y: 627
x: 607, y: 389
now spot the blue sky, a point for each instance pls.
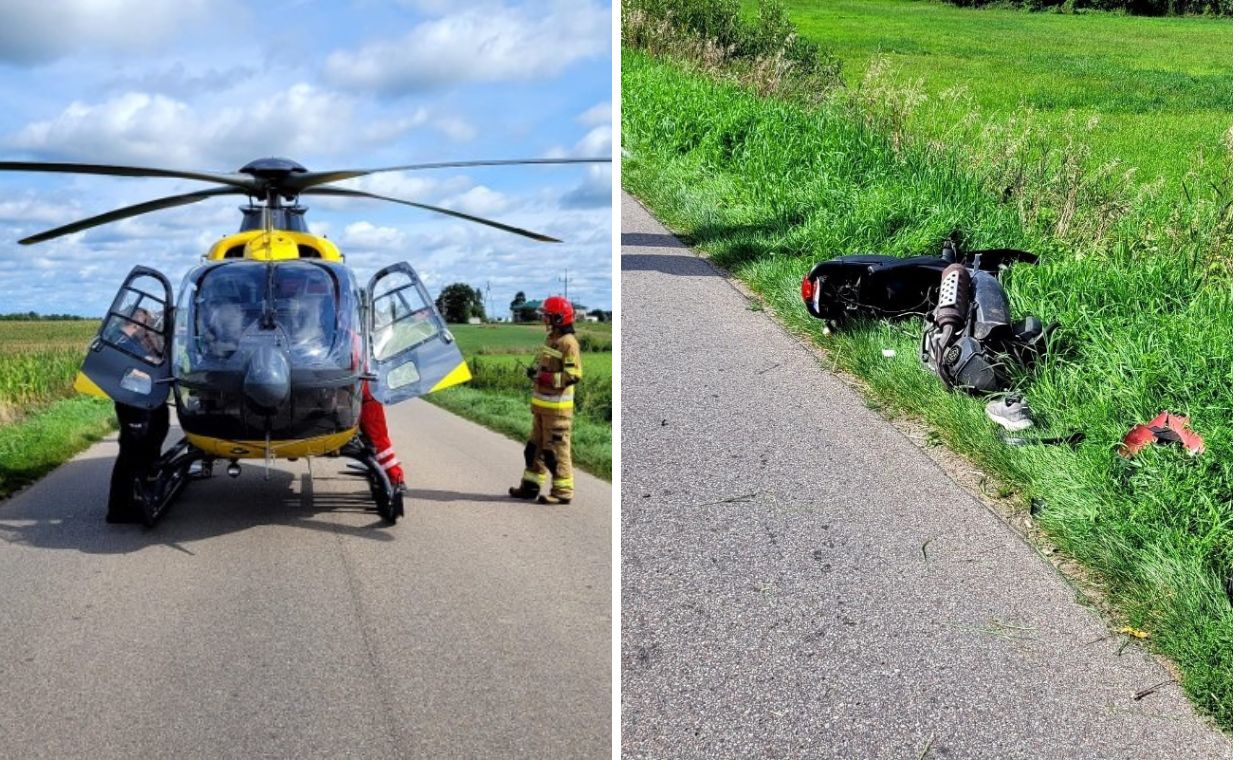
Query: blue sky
x: 213, y: 84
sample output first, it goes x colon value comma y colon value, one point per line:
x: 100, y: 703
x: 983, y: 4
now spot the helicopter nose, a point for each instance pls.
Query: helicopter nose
x: 266, y: 377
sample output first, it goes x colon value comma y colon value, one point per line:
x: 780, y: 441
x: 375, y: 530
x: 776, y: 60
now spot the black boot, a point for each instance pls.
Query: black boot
x: 525, y: 490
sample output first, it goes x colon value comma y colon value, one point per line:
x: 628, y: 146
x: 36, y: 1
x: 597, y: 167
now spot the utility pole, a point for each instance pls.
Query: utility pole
x: 566, y: 286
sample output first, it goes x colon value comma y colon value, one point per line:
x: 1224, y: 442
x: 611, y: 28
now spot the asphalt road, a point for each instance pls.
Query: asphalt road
x: 279, y: 618
x: 800, y: 580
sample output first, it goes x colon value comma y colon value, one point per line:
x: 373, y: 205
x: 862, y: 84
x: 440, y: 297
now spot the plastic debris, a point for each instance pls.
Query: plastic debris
x: 1164, y: 428
x: 1135, y: 633
x: 889, y: 353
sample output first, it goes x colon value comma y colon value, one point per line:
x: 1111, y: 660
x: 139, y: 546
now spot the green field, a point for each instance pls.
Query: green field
x: 498, y: 395
x: 41, y: 422
x: 1160, y: 87
x: 1138, y: 279
x: 507, y: 338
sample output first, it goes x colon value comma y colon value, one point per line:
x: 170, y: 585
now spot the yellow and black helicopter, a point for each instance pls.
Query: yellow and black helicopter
x: 267, y: 345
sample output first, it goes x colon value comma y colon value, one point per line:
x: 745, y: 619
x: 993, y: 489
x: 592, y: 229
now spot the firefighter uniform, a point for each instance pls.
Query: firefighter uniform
x: 548, y: 452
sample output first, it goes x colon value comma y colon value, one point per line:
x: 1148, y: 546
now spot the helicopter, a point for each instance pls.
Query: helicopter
x: 270, y: 337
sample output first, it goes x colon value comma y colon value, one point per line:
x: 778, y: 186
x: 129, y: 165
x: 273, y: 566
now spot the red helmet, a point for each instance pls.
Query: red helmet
x: 557, y: 311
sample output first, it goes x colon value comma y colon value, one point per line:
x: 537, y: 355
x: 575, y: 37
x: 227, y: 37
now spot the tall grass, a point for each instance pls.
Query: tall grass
x: 38, y: 361
x: 1137, y: 276
x: 592, y: 396
x: 41, y: 424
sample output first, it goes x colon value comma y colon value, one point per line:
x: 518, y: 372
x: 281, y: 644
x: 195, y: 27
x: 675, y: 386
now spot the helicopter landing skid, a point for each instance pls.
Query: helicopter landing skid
x: 155, y: 492
x: 387, y: 499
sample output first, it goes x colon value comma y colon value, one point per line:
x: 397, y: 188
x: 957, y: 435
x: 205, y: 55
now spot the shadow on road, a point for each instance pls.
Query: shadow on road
x: 668, y: 263
x: 429, y: 494
x: 650, y: 240
x: 60, y: 512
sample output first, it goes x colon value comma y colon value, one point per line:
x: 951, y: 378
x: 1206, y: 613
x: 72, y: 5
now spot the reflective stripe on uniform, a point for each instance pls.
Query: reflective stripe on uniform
x: 562, y: 482
x: 548, y: 351
x: 534, y: 477
x: 546, y: 401
x: 385, y: 454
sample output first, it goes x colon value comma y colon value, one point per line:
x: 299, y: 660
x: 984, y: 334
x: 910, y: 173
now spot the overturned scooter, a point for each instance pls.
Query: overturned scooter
x: 969, y: 339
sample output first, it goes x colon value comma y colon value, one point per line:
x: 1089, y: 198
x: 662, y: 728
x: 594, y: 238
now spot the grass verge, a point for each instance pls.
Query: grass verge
x: 42, y: 440
x: 767, y: 187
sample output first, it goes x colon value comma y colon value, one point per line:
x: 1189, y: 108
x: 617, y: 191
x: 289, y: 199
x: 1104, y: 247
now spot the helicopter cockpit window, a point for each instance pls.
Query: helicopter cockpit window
x: 299, y: 304
x: 230, y: 301
x: 135, y: 321
x: 402, y: 316
x: 305, y: 308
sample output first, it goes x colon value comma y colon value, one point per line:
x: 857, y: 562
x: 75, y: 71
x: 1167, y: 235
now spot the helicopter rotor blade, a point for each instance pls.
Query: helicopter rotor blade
x: 345, y: 192
x: 242, y: 181
x: 135, y: 210
x: 311, y: 179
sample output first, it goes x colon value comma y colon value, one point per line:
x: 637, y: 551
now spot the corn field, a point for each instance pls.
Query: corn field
x: 38, y: 361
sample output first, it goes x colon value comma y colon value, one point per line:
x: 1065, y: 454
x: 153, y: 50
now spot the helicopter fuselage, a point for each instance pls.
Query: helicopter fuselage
x: 269, y: 344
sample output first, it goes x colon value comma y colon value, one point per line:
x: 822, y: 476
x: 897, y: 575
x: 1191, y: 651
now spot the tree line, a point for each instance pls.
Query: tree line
x: 1134, y: 7
x: 33, y: 316
x: 460, y: 302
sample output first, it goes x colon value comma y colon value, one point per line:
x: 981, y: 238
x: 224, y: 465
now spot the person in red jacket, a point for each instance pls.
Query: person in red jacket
x: 373, y: 425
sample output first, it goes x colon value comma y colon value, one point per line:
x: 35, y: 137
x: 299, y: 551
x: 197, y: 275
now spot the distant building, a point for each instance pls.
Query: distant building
x: 527, y: 312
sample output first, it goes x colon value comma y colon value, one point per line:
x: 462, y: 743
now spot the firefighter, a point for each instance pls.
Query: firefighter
x: 554, y: 373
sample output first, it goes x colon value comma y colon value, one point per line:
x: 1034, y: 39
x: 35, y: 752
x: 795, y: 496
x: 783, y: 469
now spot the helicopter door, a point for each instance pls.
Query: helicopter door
x: 411, y: 350
x: 129, y: 358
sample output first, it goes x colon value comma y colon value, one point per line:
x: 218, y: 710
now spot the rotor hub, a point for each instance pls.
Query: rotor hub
x: 272, y: 168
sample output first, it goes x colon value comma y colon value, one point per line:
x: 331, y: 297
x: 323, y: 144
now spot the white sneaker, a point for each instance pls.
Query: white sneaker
x: 1011, y: 412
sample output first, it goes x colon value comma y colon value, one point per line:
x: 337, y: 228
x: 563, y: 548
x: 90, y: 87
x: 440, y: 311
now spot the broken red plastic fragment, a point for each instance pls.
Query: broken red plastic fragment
x: 1137, y: 438
x: 1164, y: 428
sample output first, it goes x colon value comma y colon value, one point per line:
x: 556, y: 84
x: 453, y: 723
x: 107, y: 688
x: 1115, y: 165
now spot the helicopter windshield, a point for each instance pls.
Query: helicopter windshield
x: 305, y: 304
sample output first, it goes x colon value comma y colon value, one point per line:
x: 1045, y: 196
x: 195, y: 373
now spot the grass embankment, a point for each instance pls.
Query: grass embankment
x: 41, y: 423
x: 1161, y: 86
x: 498, y: 395
x: 1138, y: 278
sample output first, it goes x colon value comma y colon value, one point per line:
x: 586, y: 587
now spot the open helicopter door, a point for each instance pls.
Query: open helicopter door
x: 128, y: 360
x: 411, y: 350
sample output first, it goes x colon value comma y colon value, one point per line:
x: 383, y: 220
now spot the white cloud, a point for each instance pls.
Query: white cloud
x: 593, y: 192
x: 595, y: 144
x: 34, y: 31
x: 181, y: 81
x: 456, y: 128
x: 29, y: 209
x: 479, y: 201
x: 596, y: 116
x: 390, y: 129
x: 157, y: 130
x: 366, y: 237
x: 154, y: 129
x: 477, y: 45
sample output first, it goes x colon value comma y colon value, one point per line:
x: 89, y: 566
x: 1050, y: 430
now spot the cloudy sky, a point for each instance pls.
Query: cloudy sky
x: 213, y: 84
